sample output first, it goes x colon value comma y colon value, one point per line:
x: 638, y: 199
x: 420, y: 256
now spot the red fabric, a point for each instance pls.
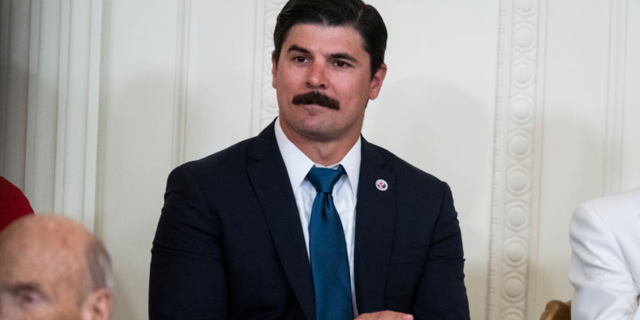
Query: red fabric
x: 13, y: 204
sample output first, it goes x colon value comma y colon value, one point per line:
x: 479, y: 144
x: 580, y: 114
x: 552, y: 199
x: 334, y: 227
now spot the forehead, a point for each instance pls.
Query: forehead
x: 31, y: 262
x: 325, y: 38
x: 38, y: 259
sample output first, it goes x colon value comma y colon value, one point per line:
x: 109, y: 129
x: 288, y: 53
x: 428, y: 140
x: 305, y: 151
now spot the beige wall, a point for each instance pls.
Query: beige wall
x: 526, y: 108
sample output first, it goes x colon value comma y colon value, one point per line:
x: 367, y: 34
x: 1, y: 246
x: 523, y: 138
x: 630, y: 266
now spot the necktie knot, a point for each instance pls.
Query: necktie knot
x: 323, y: 179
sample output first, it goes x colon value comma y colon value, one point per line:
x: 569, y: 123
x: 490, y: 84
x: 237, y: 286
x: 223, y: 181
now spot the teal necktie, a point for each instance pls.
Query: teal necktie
x: 328, y: 250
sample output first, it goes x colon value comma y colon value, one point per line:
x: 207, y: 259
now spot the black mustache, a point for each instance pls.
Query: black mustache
x: 315, y: 97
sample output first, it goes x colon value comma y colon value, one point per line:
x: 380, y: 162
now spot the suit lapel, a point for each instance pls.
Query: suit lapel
x: 375, y: 223
x: 270, y: 180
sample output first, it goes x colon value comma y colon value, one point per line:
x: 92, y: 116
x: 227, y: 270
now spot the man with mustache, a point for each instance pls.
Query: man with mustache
x: 308, y: 220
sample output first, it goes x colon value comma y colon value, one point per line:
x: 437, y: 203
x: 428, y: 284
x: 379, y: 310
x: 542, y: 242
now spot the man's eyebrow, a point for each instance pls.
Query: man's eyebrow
x: 295, y: 47
x: 338, y: 55
x: 343, y: 56
x: 25, y: 286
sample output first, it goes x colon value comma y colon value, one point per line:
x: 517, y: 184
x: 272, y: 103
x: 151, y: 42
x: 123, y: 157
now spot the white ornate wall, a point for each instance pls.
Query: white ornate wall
x: 525, y: 107
x: 516, y: 171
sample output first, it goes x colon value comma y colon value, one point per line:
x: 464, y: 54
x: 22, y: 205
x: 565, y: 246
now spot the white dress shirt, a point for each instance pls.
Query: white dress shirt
x: 344, y: 192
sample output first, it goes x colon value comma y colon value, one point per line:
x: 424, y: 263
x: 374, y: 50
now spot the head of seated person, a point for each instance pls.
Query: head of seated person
x: 52, y: 268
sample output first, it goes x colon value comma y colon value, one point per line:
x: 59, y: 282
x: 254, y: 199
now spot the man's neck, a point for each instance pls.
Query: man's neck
x: 325, y: 153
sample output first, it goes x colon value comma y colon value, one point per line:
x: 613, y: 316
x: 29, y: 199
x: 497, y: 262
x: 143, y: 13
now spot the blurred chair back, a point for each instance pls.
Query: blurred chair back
x: 557, y: 310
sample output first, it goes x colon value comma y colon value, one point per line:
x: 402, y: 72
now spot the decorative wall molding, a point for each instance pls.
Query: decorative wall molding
x: 62, y: 108
x: 43, y: 106
x: 265, y: 104
x: 181, y: 86
x: 516, y: 172
x: 64, y: 90
x: 612, y: 171
x: 93, y: 113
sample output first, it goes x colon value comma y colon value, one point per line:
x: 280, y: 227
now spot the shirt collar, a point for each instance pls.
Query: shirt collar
x: 298, y: 164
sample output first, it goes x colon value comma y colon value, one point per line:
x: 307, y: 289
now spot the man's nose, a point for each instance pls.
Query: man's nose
x: 316, y: 78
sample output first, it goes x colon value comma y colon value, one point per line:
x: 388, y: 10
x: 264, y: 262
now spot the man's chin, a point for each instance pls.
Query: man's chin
x: 319, y: 133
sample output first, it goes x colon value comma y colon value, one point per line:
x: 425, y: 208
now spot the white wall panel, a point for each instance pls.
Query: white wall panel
x: 575, y: 131
x: 135, y: 138
x: 43, y: 105
x: 77, y: 109
x: 631, y: 113
x: 616, y: 76
x: 220, y: 76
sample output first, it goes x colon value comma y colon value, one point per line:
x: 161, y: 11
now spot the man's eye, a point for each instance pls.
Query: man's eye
x: 342, y: 64
x: 300, y: 59
x: 29, y: 298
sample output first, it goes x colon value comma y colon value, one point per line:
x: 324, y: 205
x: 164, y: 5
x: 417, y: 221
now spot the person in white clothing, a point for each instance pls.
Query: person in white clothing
x: 605, y: 261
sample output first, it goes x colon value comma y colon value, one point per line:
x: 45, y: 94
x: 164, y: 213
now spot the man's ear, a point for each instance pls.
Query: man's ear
x: 274, y: 69
x: 376, y: 82
x: 98, y: 305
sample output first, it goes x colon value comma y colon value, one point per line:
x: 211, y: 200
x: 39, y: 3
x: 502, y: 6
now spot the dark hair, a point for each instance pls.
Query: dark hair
x: 363, y: 17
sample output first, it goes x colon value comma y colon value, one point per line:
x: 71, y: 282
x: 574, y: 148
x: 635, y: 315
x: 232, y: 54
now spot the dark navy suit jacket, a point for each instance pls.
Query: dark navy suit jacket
x: 229, y: 243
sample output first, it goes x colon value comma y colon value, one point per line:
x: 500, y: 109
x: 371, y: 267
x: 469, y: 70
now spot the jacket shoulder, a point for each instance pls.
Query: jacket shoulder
x: 228, y: 160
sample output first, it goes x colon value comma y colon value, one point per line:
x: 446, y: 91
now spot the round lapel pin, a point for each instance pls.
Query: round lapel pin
x: 382, y: 185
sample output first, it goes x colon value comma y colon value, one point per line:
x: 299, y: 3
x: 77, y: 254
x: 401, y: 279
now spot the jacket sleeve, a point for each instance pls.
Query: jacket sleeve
x: 441, y: 293
x: 604, y: 286
x: 187, y: 276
